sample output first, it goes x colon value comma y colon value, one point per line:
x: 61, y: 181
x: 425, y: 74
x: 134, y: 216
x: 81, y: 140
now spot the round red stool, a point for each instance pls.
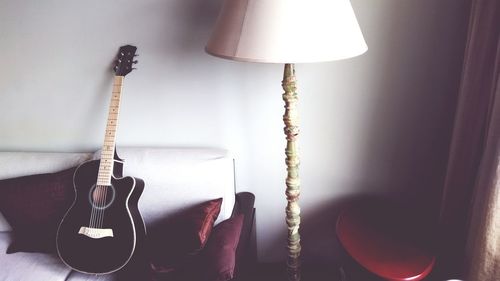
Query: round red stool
x: 385, y: 243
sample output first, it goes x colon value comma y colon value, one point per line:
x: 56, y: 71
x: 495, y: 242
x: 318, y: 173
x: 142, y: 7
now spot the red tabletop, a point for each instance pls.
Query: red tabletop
x: 378, y: 248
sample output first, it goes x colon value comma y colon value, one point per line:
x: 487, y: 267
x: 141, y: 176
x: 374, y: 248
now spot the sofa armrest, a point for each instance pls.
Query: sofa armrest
x: 245, y: 252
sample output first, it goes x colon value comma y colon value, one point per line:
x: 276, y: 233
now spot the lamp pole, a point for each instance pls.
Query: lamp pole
x: 291, y: 120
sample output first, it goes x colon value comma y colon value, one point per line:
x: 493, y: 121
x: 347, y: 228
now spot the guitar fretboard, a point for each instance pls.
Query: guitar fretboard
x: 108, y: 148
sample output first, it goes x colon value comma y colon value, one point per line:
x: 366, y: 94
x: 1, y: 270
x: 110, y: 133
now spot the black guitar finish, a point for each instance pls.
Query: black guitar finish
x: 103, y: 229
x: 108, y: 254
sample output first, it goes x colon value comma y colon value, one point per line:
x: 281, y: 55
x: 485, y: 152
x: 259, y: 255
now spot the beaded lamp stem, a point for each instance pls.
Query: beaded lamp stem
x: 290, y: 118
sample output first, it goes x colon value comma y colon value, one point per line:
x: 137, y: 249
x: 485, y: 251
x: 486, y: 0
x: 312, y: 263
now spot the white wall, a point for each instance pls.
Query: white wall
x: 375, y: 124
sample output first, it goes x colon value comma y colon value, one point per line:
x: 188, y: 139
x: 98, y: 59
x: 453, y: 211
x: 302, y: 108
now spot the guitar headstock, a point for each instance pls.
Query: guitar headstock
x: 125, y: 60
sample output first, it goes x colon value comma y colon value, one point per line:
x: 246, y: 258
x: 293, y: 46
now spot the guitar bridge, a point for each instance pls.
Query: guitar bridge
x: 96, y: 233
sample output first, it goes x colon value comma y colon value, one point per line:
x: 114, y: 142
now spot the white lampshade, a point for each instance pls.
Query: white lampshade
x: 286, y: 31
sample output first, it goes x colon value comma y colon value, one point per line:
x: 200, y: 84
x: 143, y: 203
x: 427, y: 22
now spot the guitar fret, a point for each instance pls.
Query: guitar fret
x: 108, y: 149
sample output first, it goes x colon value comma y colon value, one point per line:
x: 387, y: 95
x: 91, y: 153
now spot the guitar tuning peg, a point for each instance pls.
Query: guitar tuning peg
x: 134, y: 68
x: 136, y: 55
x: 134, y: 62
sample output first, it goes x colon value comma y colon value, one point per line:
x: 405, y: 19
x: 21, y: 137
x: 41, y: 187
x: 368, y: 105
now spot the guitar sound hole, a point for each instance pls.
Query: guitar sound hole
x: 101, y: 197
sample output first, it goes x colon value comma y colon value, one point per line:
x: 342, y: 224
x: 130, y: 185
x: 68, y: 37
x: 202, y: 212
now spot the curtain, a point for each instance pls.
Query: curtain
x: 470, y: 209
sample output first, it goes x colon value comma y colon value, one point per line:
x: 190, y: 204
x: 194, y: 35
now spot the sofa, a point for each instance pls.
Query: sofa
x: 177, y: 180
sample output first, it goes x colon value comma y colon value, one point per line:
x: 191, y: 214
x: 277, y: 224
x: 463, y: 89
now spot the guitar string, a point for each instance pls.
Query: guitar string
x: 95, y: 210
x: 105, y: 201
x: 98, y: 206
x: 92, y: 213
x: 105, y: 188
x: 97, y: 216
x: 99, y: 212
x: 95, y: 206
x: 103, y: 198
x: 101, y: 205
x: 97, y: 203
x: 99, y: 200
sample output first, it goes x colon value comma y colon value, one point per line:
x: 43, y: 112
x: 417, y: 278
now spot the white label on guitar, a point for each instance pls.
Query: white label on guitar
x: 96, y: 233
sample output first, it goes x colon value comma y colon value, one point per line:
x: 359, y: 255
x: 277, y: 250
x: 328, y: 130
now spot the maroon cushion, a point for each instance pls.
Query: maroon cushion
x: 176, y: 241
x: 34, y: 206
x: 219, y: 257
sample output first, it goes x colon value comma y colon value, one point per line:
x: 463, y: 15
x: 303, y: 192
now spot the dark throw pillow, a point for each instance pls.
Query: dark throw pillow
x: 219, y: 256
x: 174, y: 243
x: 34, y: 206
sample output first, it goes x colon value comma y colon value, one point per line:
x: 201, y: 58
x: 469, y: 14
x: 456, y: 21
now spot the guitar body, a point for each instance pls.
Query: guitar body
x: 118, y: 213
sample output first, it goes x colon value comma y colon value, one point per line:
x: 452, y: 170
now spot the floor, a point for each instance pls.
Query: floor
x: 277, y: 272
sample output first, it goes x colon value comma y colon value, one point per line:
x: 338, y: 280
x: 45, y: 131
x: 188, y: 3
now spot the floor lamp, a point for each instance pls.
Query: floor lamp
x: 287, y: 32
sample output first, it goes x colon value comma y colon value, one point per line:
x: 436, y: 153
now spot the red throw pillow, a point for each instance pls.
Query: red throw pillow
x: 219, y: 257
x: 176, y: 241
x: 34, y: 206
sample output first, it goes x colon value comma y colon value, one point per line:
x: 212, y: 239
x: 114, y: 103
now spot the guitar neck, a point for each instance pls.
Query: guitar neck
x: 108, y: 148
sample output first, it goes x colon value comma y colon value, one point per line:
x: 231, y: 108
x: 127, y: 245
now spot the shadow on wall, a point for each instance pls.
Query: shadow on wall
x: 413, y: 85
x: 194, y: 21
x: 415, y: 80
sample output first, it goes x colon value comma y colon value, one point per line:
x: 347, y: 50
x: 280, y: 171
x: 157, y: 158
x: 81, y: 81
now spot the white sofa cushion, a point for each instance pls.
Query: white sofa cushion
x: 178, y: 178
x: 29, y: 266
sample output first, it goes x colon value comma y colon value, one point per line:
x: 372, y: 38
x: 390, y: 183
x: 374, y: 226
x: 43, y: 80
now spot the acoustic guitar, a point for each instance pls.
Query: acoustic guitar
x: 103, y: 228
